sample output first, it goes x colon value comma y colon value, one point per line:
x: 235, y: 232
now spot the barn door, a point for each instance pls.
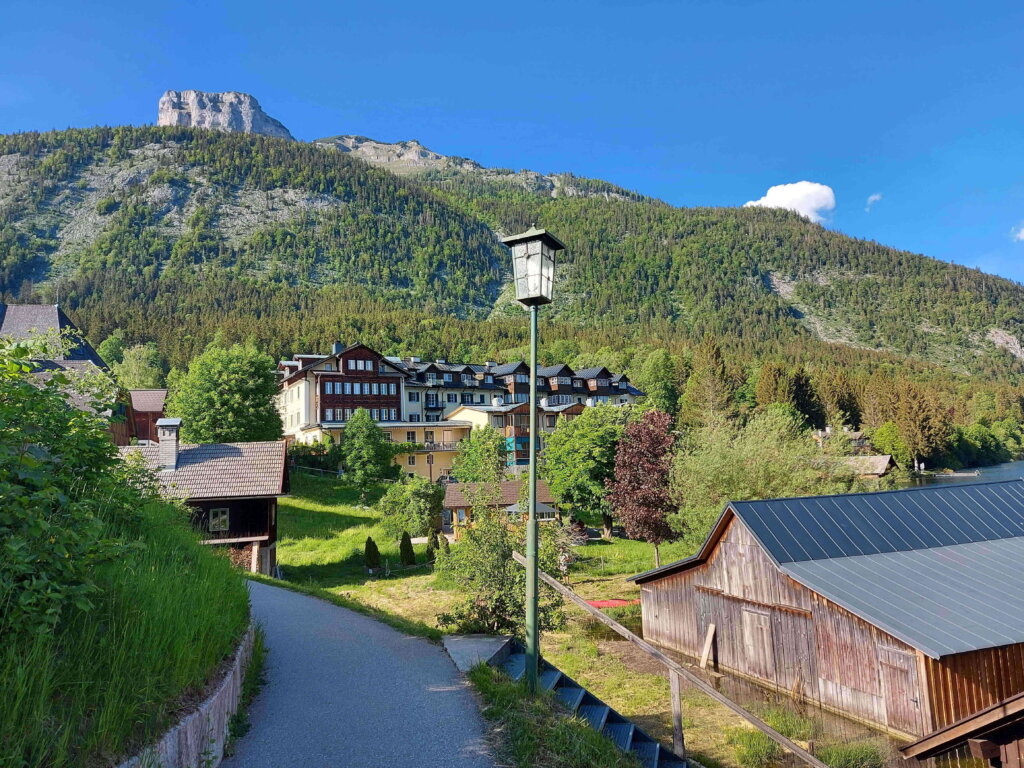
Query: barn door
x: 898, y: 670
x: 758, y: 646
x: 795, y: 653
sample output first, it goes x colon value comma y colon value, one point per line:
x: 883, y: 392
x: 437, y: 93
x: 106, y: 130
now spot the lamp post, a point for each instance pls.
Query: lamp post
x: 533, y: 266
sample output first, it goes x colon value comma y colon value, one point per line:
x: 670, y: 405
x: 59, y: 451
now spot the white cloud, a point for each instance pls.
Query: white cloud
x: 872, y: 199
x: 1017, y: 233
x: 807, y: 198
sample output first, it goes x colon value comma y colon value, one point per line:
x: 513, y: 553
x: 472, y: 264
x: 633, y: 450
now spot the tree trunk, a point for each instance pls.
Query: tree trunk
x: 657, y: 557
x: 606, y: 521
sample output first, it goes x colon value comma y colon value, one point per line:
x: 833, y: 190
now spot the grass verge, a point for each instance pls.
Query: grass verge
x: 252, y: 682
x: 536, y: 732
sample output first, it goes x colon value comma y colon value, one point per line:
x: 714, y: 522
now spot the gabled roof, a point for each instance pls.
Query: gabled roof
x: 869, y: 465
x: 148, y: 400
x: 220, y: 470
x: 506, y: 368
x: 936, y: 566
x: 459, y: 494
x: 555, y: 370
x: 599, y: 372
x: 23, y: 321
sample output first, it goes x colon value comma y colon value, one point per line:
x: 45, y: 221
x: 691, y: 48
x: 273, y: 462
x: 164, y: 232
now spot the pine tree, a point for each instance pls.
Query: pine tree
x: 774, y: 385
x: 708, y: 392
x: 371, y: 554
x: 659, y: 378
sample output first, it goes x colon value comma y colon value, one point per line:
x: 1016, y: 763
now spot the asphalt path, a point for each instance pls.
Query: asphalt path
x: 346, y: 691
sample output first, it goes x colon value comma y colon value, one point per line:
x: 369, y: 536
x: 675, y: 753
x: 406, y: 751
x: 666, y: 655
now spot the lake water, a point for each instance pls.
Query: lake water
x: 1010, y: 470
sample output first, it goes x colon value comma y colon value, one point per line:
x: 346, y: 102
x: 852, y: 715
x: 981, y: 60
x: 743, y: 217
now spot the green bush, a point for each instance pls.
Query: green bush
x: 406, y: 554
x: 412, y: 505
x: 753, y: 748
x: 107, y: 205
x: 432, y: 546
x: 111, y: 611
x: 857, y: 755
x: 371, y: 554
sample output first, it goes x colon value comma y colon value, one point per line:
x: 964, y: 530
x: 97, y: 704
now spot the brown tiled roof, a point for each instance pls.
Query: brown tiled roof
x: 148, y: 400
x: 455, y: 494
x: 221, y: 470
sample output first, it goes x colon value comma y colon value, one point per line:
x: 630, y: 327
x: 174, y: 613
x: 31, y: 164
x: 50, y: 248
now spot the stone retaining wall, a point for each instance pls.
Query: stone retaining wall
x: 198, y: 740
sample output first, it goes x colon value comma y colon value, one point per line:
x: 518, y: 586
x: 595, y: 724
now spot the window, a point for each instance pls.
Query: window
x: 219, y: 519
x: 328, y: 367
x: 375, y: 388
x: 521, y: 397
x: 579, y: 400
x: 552, y: 420
x: 375, y: 413
x: 452, y: 397
x: 410, y: 436
x: 391, y: 388
x: 382, y: 367
x: 351, y: 364
x: 414, y: 418
x: 466, y: 378
x: 414, y: 397
x: 328, y: 388
x: 387, y: 437
x: 428, y: 436
x: 510, y: 379
x: 479, y: 398
x: 564, y: 380
x: 329, y: 414
x: 603, y: 382
x: 522, y: 378
x: 578, y: 383
x: 489, y: 379
x: 467, y: 398
x: 411, y: 461
x: 540, y: 381
x: 357, y: 388
x: 432, y: 418
x: 461, y: 515
x: 394, y: 414
x: 348, y: 387
x: 348, y: 414
x: 360, y: 365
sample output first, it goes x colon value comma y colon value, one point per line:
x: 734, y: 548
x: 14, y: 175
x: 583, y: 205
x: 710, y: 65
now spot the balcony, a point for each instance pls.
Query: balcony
x: 442, y: 446
x: 517, y: 431
x: 434, y: 405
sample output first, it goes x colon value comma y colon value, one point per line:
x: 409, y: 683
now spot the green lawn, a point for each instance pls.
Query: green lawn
x: 322, y: 528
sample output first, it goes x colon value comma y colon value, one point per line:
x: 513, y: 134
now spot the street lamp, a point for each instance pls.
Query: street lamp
x: 533, y: 267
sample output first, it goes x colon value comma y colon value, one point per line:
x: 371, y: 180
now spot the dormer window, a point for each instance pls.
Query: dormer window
x: 577, y: 383
x: 489, y: 379
x: 328, y: 367
x: 447, y: 377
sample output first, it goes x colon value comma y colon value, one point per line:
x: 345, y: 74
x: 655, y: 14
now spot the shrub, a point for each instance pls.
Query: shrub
x: 857, y: 755
x: 753, y: 748
x: 432, y: 546
x: 107, y: 205
x: 412, y: 505
x: 406, y: 554
x: 371, y: 553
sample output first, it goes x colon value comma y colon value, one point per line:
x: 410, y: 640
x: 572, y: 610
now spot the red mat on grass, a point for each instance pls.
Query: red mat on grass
x: 611, y: 603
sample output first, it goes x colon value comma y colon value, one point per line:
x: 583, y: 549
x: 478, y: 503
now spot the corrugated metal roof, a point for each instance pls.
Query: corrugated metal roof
x: 940, y: 600
x: 820, y: 527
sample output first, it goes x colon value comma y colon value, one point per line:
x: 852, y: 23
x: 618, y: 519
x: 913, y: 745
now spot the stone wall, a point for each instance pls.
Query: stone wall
x: 198, y: 740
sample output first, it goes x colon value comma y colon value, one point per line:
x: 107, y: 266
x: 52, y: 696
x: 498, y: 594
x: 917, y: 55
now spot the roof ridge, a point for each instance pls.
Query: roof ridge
x: 928, y: 487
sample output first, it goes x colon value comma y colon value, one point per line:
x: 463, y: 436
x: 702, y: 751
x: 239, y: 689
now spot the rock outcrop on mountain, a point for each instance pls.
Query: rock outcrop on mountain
x: 228, y: 111
x: 408, y: 156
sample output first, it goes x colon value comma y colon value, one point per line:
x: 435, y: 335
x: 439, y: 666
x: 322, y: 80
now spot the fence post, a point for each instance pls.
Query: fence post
x: 678, y: 742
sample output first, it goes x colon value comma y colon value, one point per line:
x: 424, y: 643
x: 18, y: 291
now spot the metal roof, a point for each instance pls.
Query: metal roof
x: 818, y: 527
x: 941, y: 600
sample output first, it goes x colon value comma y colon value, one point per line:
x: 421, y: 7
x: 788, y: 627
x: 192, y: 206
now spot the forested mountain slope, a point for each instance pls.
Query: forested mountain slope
x: 173, y: 233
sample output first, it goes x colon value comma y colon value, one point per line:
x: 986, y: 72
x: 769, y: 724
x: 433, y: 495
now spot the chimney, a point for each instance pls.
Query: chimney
x: 490, y: 364
x: 167, y: 434
x: 441, y: 361
x: 337, y: 347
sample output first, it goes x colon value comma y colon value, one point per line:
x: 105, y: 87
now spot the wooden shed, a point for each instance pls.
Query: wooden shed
x: 903, y: 610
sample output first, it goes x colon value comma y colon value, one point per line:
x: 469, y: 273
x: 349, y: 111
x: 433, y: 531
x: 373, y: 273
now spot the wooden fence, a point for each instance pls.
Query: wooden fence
x: 676, y: 674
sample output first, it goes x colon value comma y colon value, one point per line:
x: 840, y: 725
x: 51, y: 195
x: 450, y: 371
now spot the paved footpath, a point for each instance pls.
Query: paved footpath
x: 345, y: 691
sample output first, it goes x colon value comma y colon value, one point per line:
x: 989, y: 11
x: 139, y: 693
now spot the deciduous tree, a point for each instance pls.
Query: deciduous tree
x: 140, y: 368
x: 481, y: 456
x: 640, y: 492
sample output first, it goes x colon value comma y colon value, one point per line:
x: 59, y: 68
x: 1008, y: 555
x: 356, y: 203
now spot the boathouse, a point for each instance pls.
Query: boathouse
x: 902, y: 609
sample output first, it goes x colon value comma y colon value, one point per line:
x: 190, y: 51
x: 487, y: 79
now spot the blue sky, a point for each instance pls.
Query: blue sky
x: 699, y: 103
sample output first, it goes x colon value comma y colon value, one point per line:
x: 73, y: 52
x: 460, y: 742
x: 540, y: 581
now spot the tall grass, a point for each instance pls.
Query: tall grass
x: 108, y: 680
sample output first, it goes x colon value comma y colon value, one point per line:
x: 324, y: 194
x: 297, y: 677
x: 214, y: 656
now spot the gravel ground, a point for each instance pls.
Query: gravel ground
x: 345, y: 691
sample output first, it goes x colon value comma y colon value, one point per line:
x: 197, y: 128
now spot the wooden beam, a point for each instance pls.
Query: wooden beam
x: 699, y: 683
x: 963, y: 729
x: 678, y: 742
x: 241, y: 540
x: 984, y: 749
x: 709, y: 641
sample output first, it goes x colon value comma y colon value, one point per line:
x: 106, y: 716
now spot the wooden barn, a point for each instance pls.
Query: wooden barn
x: 903, y: 610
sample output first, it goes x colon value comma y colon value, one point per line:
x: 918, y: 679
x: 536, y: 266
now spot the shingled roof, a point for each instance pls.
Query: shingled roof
x: 459, y: 494
x: 220, y: 470
x: 148, y: 400
x: 935, y: 566
x: 23, y: 321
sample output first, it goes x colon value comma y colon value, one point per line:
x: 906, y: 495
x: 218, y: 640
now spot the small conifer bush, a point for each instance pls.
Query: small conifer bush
x: 432, y: 546
x: 405, y: 551
x: 372, y: 554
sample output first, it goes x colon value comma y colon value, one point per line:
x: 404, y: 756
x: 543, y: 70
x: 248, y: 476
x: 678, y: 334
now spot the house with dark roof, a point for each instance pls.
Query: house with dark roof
x: 460, y: 498
x: 232, y: 489
x: 901, y: 609
x: 22, y: 322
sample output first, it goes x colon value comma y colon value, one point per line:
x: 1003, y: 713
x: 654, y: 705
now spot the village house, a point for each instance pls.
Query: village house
x: 512, y: 420
x: 22, y: 322
x: 232, y: 489
x: 903, y: 609
x: 459, y: 499
x: 436, y: 442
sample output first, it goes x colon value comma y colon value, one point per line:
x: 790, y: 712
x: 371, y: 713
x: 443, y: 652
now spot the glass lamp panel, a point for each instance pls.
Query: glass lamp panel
x: 547, y: 271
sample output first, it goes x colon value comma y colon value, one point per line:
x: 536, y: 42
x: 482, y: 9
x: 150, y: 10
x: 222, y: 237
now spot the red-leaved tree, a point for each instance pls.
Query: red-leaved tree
x: 639, y: 494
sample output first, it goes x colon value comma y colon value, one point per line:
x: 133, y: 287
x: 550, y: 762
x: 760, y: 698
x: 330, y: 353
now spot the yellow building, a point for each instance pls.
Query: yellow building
x: 438, y: 443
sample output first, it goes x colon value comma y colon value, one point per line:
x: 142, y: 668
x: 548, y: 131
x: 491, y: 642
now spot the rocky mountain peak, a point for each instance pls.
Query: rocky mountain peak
x: 227, y: 111
x: 409, y: 156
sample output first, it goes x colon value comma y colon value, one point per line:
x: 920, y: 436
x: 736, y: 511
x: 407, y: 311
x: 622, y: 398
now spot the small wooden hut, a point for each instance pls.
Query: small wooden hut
x: 903, y: 609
